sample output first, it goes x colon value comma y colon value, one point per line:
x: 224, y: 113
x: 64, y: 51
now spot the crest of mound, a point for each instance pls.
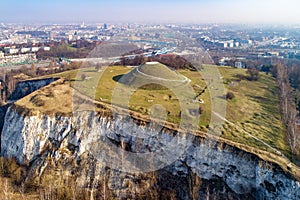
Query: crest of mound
x: 153, y: 73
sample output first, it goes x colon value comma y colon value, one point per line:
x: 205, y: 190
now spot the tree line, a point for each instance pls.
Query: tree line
x: 287, y: 74
x: 77, y: 49
x: 288, y: 108
x: 173, y: 61
x: 10, y: 78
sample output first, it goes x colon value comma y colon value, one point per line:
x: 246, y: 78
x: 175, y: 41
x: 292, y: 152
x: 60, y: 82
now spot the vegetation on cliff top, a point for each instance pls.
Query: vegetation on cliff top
x: 254, y: 109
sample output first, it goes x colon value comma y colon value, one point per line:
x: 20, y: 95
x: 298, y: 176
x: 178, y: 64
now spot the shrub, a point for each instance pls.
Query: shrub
x: 253, y: 74
x: 201, y: 110
x: 229, y: 95
x: 83, y: 77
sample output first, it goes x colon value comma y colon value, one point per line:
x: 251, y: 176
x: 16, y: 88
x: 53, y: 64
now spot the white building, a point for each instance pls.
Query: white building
x: 231, y: 44
x: 47, y: 48
x: 70, y: 38
x: 9, y: 50
x: 18, y: 59
x: 34, y: 49
x: 225, y: 44
x: 25, y: 50
x: 239, y: 65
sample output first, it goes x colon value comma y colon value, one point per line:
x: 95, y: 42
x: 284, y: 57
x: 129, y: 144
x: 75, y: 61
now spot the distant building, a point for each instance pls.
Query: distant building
x: 274, y: 53
x: 103, y: 38
x: 51, y: 36
x: 46, y: 48
x: 25, y: 50
x: 35, y: 49
x: 239, y: 65
x: 9, y: 50
x: 18, y: 59
x: 70, y: 38
x: 104, y: 26
x: 269, y: 54
x: 225, y: 44
x: 83, y: 25
x: 224, y: 61
x: 231, y: 44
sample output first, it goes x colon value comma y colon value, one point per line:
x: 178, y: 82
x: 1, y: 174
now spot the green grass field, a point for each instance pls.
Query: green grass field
x: 101, y: 86
x: 254, y: 109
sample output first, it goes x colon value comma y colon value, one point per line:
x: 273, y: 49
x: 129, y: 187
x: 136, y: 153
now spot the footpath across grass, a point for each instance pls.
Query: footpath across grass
x: 254, y: 107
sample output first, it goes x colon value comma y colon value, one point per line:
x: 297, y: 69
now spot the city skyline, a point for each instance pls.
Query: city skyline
x: 191, y: 11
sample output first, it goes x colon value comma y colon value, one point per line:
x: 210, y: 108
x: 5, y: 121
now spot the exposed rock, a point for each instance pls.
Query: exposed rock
x: 206, y: 169
x: 27, y: 87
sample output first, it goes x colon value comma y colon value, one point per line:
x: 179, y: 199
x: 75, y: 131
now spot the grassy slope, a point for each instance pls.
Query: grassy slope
x: 160, y: 70
x: 254, y: 109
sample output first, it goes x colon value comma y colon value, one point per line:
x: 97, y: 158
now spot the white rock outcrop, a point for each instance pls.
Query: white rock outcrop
x: 26, y: 137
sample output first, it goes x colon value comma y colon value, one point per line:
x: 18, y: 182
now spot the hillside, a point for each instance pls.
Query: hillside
x: 253, y: 110
x: 59, y: 120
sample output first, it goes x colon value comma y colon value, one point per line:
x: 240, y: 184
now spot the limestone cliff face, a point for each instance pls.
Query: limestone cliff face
x: 26, y: 87
x: 2, y: 115
x: 207, y: 167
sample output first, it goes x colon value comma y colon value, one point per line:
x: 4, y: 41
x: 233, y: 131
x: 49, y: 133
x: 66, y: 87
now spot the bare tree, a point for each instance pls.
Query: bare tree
x: 253, y: 74
x: 288, y: 108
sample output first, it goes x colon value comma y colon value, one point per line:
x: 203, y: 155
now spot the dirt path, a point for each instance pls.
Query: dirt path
x: 249, y: 134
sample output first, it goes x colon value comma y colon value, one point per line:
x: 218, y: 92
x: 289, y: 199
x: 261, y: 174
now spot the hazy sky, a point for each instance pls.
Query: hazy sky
x: 198, y: 11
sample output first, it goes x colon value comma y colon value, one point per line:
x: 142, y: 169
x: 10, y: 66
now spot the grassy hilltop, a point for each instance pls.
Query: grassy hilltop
x: 254, y: 109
